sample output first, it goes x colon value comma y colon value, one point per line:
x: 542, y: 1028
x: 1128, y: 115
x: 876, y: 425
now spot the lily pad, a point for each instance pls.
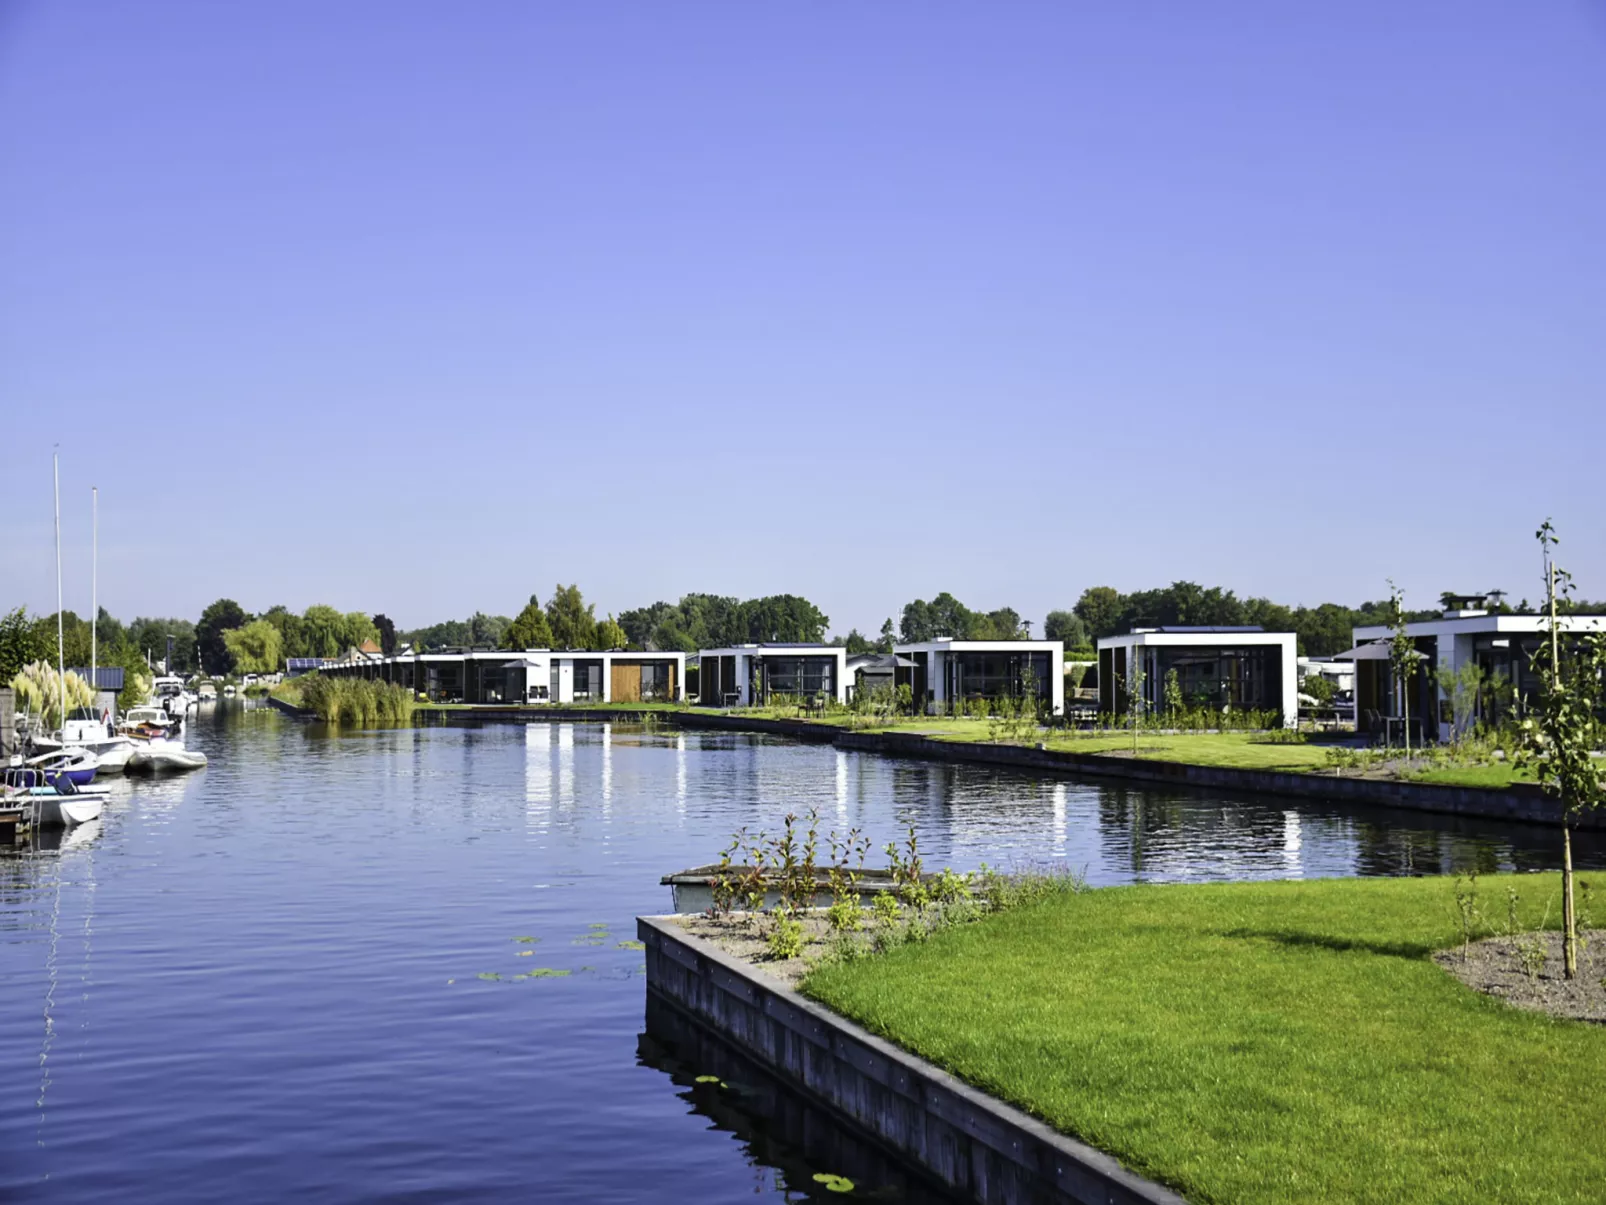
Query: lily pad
x: 631, y: 945
x: 525, y: 954
x: 597, y: 925
x: 489, y: 975
x: 548, y: 973
x: 833, y: 1182
x: 710, y: 1079
x: 527, y: 940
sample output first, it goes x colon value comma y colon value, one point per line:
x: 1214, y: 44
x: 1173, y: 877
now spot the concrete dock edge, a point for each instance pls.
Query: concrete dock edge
x: 974, y: 1144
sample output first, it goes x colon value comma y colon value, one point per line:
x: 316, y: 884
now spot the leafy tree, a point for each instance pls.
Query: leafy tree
x: 1403, y: 658
x: 149, y: 638
x: 783, y: 617
x: 1067, y: 626
x: 109, y: 631
x: 256, y: 648
x: 356, y: 629
x: 858, y: 643
x: 1173, y: 691
x: 222, y: 616
x: 946, y: 616
x: 1561, y: 735
x: 641, y: 625
x: 943, y: 616
x: 137, y: 676
x: 452, y: 633
x: 572, y: 619
x: 19, y: 644
x: 705, y: 621
x: 713, y: 620
x: 609, y: 635
x: 487, y: 631
x: 1274, y: 617
x: 292, y: 638
x: 387, y: 634
x: 74, y: 635
x: 323, y: 631
x: 529, y: 629
x: 888, y: 637
x: 1324, y: 630
x: 1002, y: 624
x: 1100, y: 609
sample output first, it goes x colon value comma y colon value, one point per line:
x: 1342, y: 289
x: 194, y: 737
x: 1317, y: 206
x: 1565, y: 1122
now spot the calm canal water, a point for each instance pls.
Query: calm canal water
x: 265, y: 979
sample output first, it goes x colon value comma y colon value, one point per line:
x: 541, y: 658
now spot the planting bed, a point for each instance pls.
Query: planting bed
x: 1496, y: 965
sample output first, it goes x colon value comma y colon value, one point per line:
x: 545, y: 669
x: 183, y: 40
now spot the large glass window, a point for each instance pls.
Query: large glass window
x: 1215, y: 678
x: 998, y: 675
x: 803, y: 676
x: 654, y: 680
x: 587, y: 681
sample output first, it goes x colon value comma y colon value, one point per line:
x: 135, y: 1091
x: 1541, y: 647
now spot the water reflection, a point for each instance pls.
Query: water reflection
x: 785, y: 1136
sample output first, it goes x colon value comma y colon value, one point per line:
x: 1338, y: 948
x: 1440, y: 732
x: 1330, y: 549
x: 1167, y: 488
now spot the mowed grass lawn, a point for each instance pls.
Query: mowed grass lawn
x: 1237, y: 750
x: 1242, y: 750
x: 1266, y: 1042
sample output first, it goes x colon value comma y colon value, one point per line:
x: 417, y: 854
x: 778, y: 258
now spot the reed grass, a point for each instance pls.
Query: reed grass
x: 356, y: 701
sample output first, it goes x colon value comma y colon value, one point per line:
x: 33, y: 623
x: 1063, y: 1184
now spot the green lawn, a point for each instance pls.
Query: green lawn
x: 1493, y: 775
x: 1240, y: 750
x: 1243, y: 750
x: 1258, y: 1043
x: 538, y: 708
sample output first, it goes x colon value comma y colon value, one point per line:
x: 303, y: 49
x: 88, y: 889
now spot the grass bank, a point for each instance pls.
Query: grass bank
x: 536, y: 709
x: 1263, y: 1043
x: 1242, y: 750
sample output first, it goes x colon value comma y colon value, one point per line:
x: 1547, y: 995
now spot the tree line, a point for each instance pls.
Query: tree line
x: 228, y: 639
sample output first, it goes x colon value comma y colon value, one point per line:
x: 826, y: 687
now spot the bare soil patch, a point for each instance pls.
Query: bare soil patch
x: 743, y: 935
x: 1496, y: 967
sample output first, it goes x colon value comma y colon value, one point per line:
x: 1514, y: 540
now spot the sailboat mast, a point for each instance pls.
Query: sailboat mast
x: 61, y: 661
x: 94, y: 589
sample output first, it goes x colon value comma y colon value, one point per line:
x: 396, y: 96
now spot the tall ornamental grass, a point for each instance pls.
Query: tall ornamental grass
x: 38, y: 689
x: 356, y: 701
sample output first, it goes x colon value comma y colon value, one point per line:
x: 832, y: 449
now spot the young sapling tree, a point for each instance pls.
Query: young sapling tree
x: 1561, y: 734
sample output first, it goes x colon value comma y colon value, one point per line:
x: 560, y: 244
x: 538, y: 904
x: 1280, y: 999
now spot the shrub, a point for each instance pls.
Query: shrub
x: 785, y: 938
x: 356, y: 701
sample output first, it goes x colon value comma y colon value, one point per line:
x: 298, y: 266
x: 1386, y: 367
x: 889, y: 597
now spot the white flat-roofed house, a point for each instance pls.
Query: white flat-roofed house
x: 1497, y: 646
x: 522, y: 676
x: 1220, y: 668
x: 752, y: 675
x: 947, y: 673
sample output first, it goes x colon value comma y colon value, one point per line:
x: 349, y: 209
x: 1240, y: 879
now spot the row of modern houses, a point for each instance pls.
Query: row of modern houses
x: 1223, y: 668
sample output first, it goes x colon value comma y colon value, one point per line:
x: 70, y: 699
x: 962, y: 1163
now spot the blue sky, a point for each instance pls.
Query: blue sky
x: 420, y: 308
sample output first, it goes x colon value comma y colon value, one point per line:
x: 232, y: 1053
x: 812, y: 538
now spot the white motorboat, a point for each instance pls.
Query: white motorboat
x: 86, y: 731
x: 114, y: 760
x: 146, y: 721
x: 228, y: 691
x: 161, y: 754
x: 48, y: 806
x: 169, y: 692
